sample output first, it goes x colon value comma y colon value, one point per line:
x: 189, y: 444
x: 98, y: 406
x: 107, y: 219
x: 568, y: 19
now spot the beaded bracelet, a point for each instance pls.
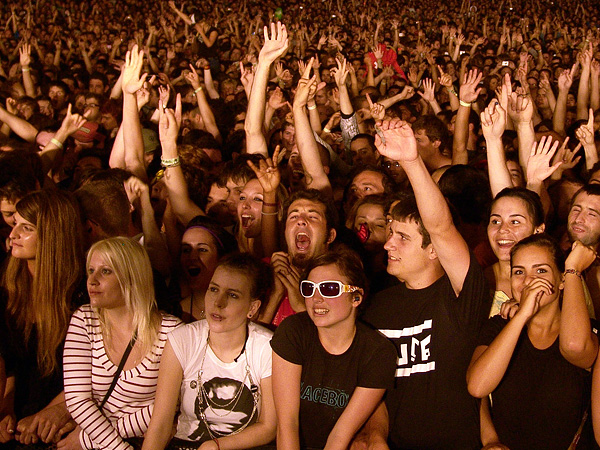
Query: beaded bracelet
x: 170, y: 162
x: 57, y: 143
x: 573, y: 271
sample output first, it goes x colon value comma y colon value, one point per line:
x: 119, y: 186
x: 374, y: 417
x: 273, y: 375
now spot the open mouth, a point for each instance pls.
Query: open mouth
x: 320, y: 311
x: 194, y: 271
x: 247, y: 220
x: 302, y: 242
x: 505, y: 243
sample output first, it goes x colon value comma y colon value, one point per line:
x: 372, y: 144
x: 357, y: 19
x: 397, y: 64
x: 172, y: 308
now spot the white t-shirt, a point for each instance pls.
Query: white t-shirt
x: 230, y: 406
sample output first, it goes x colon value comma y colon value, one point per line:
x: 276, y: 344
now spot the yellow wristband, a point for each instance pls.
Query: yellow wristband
x: 465, y: 104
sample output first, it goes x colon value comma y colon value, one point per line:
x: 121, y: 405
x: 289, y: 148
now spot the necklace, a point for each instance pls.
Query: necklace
x: 192, y: 308
x: 230, y: 406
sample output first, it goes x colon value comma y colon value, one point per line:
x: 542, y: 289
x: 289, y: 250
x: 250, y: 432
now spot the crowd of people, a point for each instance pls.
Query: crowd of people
x: 306, y: 225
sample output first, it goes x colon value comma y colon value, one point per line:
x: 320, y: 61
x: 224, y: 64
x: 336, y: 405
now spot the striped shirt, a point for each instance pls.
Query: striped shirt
x: 88, y: 373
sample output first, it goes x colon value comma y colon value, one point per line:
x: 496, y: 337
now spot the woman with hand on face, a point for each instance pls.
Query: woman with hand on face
x: 39, y: 286
x: 325, y: 352
x: 535, y: 365
x: 218, y: 370
x: 118, y: 338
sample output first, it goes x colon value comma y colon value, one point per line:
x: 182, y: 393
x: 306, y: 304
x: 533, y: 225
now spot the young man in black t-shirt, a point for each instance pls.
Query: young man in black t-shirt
x: 432, y: 317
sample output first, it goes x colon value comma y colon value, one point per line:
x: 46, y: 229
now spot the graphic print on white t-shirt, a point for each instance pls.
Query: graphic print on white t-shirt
x: 227, y: 409
x: 413, y: 348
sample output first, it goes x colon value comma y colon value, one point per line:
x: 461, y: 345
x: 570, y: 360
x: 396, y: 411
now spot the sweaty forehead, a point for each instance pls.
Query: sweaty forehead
x: 305, y: 205
x: 583, y: 199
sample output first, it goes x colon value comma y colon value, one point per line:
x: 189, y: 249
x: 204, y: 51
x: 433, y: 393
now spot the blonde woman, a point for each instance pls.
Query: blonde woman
x: 113, y: 347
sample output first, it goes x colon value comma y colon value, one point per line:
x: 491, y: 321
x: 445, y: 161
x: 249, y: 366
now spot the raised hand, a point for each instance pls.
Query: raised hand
x: 340, y: 73
x: 25, y: 55
x: 581, y: 257
x: 428, y: 93
x: 246, y: 77
x: 444, y: 79
x: 276, y: 99
x: 468, y: 89
x: 398, y: 141
x: 377, y: 110
x: 169, y: 122
x: 164, y: 92
x: 267, y: 172
x: 72, y: 122
x: 520, y: 107
x: 538, y: 164
x: 131, y: 79
x: 493, y: 120
x: 306, y: 88
x: 567, y: 156
x: 565, y: 79
x: 276, y: 44
x: 192, y: 77
x: 585, y: 133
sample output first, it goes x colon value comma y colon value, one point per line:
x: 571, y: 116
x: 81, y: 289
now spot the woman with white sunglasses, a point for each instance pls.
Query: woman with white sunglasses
x: 329, y: 372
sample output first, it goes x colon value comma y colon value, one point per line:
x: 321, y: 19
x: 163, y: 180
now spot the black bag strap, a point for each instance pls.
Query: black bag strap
x: 119, y: 369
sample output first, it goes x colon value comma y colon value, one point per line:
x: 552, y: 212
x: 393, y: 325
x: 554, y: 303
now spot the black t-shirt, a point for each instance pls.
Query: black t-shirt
x: 203, y: 50
x: 434, y: 332
x: 542, y: 397
x: 327, y: 380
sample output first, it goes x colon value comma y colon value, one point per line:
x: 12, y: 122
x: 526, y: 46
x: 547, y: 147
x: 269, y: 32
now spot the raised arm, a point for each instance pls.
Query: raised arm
x: 565, y: 80
x: 585, y: 134
x: 269, y: 178
x: 493, y: 119
x: 305, y: 140
x: 139, y: 195
x: 132, y: 127
x: 578, y: 344
x: 583, y: 89
x: 275, y: 45
x: 469, y: 92
x: 205, y: 111
x: 520, y: 110
x: 450, y: 247
x: 25, y: 60
x: 168, y: 129
x: 70, y: 124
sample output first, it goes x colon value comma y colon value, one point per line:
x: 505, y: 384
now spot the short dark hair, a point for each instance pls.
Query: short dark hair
x: 407, y: 210
x: 545, y: 241
x: 434, y: 128
x: 259, y: 273
x: 589, y: 189
x: 532, y: 200
x: 346, y: 260
x: 314, y: 195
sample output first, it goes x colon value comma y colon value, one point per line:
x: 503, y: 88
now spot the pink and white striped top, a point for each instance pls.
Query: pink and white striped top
x: 88, y: 373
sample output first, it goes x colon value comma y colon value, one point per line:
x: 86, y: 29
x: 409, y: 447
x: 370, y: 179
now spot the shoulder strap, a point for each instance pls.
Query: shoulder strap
x: 119, y: 369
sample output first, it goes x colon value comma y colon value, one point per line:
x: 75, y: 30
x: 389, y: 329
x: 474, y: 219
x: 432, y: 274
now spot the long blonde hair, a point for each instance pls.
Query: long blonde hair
x: 42, y: 301
x: 131, y: 265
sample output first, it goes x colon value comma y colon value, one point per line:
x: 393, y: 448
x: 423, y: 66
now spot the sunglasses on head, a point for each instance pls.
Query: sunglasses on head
x: 327, y: 289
